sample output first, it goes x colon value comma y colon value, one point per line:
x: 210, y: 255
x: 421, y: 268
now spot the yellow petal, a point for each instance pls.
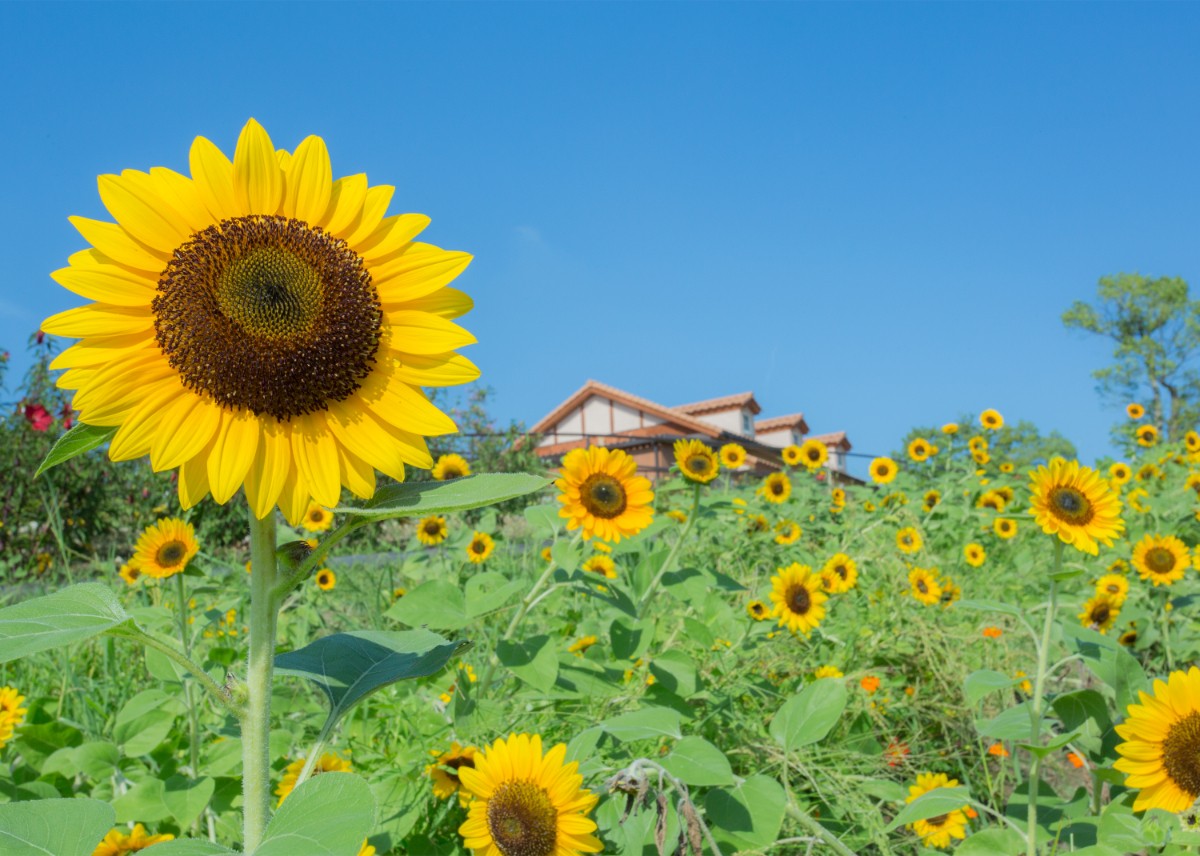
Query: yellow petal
x: 374, y: 207
x: 345, y: 203
x: 391, y: 235
x: 384, y: 447
x: 314, y: 450
x: 193, y: 480
x: 174, y: 444
x: 448, y: 303
x: 435, y: 370
x: 110, y: 284
x: 183, y: 195
x: 98, y: 350
x: 357, y: 474
x: 257, y: 178
x: 268, y: 475
x: 417, y: 272
x: 397, y: 403
x: 425, y: 333
x: 142, y: 213
x: 212, y: 174
x: 99, y: 319
x: 233, y: 450
x: 294, y: 498
x: 113, y: 241
x: 309, y: 181
x: 135, y: 436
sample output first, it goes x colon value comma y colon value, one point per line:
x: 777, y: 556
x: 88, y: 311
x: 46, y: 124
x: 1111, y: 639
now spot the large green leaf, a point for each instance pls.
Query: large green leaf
x: 82, y: 438
x: 53, y: 827
x: 532, y: 660
x: 749, y: 815
x: 350, y: 666
x: 419, y: 499
x: 1109, y: 661
x: 647, y: 723
x: 72, y: 615
x: 695, y: 761
x: 328, y: 815
x: 189, y: 847
x: 978, y: 684
x: 436, y: 603
x: 810, y: 714
x: 931, y: 804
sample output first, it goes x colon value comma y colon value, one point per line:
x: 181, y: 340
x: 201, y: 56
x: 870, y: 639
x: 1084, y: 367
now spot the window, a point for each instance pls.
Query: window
x: 747, y: 423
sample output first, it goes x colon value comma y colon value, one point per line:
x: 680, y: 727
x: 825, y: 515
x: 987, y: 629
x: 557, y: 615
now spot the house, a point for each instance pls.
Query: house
x: 602, y: 415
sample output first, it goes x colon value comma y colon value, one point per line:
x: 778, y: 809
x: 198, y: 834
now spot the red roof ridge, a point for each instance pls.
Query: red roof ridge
x: 726, y: 402
x: 791, y: 420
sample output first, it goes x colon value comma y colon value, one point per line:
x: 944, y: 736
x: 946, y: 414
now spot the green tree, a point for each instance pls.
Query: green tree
x: 1155, y: 326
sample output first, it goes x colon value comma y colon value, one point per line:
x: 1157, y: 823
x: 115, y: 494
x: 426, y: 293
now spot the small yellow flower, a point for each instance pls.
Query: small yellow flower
x: 920, y: 449
x: 327, y: 763
x: 118, y: 842
x: 950, y: 428
x: 1005, y: 528
x: 908, y: 540
x: 758, y: 610
x: 787, y: 532
x: 991, y: 420
x: 326, y: 579
x: 1119, y: 473
x: 827, y: 672
x: 1147, y: 435
x: 444, y: 770
x: 974, y: 554
x: 600, y: 565
x: 480, y: 548
x: 1135, y: 411
x: 883, y: 470
x: 696, y: 461
x: 580, y: 645
x: 776, y: 488
x: 677, y: 515
x: 813, y: 454
x: 732, y: 456
x: 924, y: 586
x: 432, y: 530
x: 450, y: 467
x: 316, y: 518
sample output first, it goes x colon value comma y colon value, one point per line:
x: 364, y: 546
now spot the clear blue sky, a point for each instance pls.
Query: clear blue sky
x: 873, y: 214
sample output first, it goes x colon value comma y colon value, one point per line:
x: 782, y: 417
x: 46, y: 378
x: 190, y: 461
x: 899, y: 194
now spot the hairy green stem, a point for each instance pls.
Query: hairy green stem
x: 815, y: 829
x: 219, y: 693
x: 256, y: 718
x: 185, y: 640
x: 1165, y: 617
x: 1036, y: 704
x: 644, y: 600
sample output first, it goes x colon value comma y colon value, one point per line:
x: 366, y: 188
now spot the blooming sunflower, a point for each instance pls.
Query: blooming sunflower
x: 776, y: 488
x: 1004, y: 527
x: 931, y: 499
x: 603, y: 565
x: 844, y: 571
x: 316, y: 518
x: 677, y: 515
x: 991, y: 499
x: 432, y: 530
x: 908, y: 540
x: 1135, y: 411
x: 129, y: 573
x: 11, y: 713
x: 696, y: 461
x: 975, y: 555
x: 756, y: 524
x: 526, y: 803
x: 920, y: 449
x: 119, y: 842
x: 580, y: 645
x: 1192, y: 441
x: 924, y: 586
x: 991, y: 419
x: 937, y: 831
x: 883, y: 470
x: 827, y: 672
x: 799, y: 601
x: 1161, y: 752
x: 450, y: 467
x: 977, y: 444
x: 950, y: 592
x: 1073, y: 502
x: 758, y: 610
x: 261, y: 325
x: 787, y: 532
x: 327, y: 763
x: 165, y: 548
x: 1147, y: 435
x: 1119, y: 473
x: 480, y: 548
x: 1162, y: 559
x: 444, y: 770
x: 813, y: 454
x: 950, y: 428
x: 1113, y: 586
x: 603, y: 494
x: 732, y: 456
x: 1007, y: 467
x: 791, y: 455
x: 326, y: 579
x: 1099, y: 613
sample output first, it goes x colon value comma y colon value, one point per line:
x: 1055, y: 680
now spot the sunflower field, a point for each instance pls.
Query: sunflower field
x: 975, y: 650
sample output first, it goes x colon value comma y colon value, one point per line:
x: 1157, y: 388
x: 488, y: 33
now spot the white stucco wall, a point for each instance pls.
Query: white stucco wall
x: 731, y: 420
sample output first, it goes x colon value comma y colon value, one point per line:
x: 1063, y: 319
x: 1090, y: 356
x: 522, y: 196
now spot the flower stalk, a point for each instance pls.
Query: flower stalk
x: 260, y: 666
x: 1037, y: 703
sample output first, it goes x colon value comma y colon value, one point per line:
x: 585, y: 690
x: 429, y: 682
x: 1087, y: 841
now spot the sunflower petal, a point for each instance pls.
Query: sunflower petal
x: 142, y: 213
x: 110, y: 285
x: 417, y: 272
x: 233, y: 452
x: 424, y: 333
x: 309, y: 181
x: 316, y: 458
x: 183, y: 194
x: 212, y: 174
x: 113, y: 241
x: 374, y: 206
x: 435, y: 370
x: 390, y: 235
x: 345, y: 203
x: 257, y: 178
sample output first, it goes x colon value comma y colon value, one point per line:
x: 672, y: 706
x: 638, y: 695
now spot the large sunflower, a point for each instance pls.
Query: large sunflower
x: 814, y: 454
x: 940, y: 830
x: 1074, y: 503
x: 799, y: 601
x: 1162, y: 559
x: 260, y: 324
x: 432, y: 530
x: 776, y: 488
x: 603, y: 494
x: 1161, y: 755
x: 732, y: 456
x: 527, y: 803
x: 165, y: 548
x: 883, y: 470
x: 696, y: 461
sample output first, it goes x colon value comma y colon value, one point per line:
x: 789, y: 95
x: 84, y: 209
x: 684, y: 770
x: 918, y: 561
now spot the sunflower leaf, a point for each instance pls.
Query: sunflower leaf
x: 328, y: 815
x: 809, y: 715
x: 71, y: 615
x: 348, y: 667
x: 420, y: 499
x: 931, y: 804
x: 62, y: 827
x: 82, y: 438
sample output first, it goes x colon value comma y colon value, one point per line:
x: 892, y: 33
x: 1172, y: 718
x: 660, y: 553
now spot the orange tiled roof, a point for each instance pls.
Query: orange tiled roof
x: 835, y: 438
x: 594, y: 386
x: 775, y: 423
x: 728, y: 402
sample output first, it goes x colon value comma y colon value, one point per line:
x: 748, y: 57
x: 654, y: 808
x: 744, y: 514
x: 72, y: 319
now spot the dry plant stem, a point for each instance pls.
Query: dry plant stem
x: 644, y: 600
x: 635, y: 769
x: 1037, y: 702
x: 256, y: 718
x: 816, y: 830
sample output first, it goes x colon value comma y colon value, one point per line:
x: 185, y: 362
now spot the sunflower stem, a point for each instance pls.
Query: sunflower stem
x: 193, y: 721
x: 256, y: 719
x: 644, y: 600
x: 1036, y: 704
x: 1165, y: 618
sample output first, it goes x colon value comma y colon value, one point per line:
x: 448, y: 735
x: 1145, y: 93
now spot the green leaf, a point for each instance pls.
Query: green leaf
x: 989, y: 842
x: 809, y: 715
x: 931, y: 804
x: 533, y: 660
x: 328, y: 815
x: 82, y: 438
x: 882, y: 789
x: 676, y: 672
x: 145, y: 721
x: 185, y: 798
x: 1074, y: 709
x: 630, y: 639
x: 1109, y: 661
x: 143, y: 802
x: 189, y: 847
x: 644, y: 724
x: 420, y: 499
x: 488, y: 592
x: 750, y: 814
x: 989, y: 606
x: 436, y: 603
x: 348, y: 667
x: 68, y: 616
x: 695, y: 761
x: 545, y: 520
x: 70, y: 827
x: 979, y: 684
x: 1009, y: 724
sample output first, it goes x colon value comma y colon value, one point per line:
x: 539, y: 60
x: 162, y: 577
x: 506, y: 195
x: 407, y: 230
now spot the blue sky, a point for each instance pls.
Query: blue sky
x: 874, y: 214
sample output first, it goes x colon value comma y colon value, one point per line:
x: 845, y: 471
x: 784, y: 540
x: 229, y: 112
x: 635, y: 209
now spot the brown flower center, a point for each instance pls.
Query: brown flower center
x: 798, y: 599
x: 1160, y: 560
x: 522, y: 820
x: 170, y: 554
x: 450, y: 471
x: 1071, y: 506
x: 268, y: 314
x: 922, y: 587
x: 603, y: 496
x: 699, y: 464
x: 1181, y: 754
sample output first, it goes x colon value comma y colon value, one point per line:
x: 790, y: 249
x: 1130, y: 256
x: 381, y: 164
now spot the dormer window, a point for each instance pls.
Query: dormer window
x: 747, y: 423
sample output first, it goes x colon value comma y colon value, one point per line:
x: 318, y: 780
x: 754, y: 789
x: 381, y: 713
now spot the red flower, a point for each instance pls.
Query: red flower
x: 67, y: 417
x: 895, y: 753
x: 38, y: 417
